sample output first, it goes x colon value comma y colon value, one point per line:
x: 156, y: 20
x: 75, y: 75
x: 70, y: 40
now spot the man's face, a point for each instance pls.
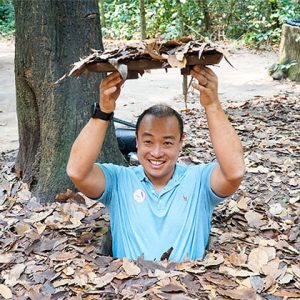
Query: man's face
x: 158, y: 145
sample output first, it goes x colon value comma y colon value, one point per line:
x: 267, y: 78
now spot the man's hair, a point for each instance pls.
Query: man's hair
x: 160, y: 111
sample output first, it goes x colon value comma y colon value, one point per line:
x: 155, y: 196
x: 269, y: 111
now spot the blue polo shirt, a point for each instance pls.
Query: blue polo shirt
x: 144, y: 221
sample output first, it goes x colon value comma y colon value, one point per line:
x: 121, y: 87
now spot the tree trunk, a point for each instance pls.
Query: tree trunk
x: 275, y: 14
x: 181, y: 18
x: 290, y: 50
x: 50, y: 36
x: 102, y: 14
x: 207, y: 20
x: 143, y: 19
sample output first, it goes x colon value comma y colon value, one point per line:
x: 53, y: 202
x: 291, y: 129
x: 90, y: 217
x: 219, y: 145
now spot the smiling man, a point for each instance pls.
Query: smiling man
x: 160, y: 204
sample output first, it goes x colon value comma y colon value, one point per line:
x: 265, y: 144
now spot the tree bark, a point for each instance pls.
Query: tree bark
x: 50, y: 36
x: 290, y: 50
x: 143, y: 19
x: 102, y: 14
x: 207, y: 20
x: 181, y: 18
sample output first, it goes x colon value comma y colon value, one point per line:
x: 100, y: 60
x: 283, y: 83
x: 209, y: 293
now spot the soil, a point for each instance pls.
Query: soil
x: 248, y: 80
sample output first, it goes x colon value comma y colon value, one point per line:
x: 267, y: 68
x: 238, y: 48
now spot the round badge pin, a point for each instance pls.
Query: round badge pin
x: 139, y: 195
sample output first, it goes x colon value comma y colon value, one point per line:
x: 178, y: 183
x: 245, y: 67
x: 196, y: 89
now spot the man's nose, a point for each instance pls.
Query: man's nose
x: 157, y: 151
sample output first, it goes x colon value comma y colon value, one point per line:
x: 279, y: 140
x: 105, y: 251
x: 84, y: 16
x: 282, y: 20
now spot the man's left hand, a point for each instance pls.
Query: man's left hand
x: 207, y: 85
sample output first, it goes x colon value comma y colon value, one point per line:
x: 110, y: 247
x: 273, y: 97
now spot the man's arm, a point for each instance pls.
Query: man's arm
x: 81, y: 168
x: 228, y: 174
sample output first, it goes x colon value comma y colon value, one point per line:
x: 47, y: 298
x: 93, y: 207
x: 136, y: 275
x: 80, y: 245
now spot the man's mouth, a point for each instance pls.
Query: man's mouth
x: 156, y: 163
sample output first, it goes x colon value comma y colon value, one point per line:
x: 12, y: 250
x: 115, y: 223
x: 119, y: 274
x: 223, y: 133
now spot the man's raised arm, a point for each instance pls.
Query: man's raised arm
x: 87, y: 177
x: 228, y: 174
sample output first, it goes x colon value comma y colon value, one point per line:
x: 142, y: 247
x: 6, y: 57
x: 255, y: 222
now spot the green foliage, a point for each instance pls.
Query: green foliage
x: 282, y: 67
x: 162, y: 18
x: 122, y: 19
x: 7, y: 18
x: 265, y: 18
x: 254, y: 21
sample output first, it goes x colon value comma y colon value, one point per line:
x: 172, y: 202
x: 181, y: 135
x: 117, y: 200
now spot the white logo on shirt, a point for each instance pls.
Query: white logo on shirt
x: 139, y: 196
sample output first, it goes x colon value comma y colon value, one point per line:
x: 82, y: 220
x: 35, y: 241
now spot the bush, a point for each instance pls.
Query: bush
x: 255, y: 21
x: 7, y: 18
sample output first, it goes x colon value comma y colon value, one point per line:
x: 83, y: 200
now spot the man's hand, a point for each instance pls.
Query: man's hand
x: 228, y: 173
x: 109, y: 91
x: 207, y: 85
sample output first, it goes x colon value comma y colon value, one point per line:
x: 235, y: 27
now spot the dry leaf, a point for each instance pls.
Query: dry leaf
x: 104, y: 280
x: 241, y: 293
x: 237, y: 260
x: 276, y: 209
x: 242, y: 203
x: 272, y: 268
x: 63, y: 282
x: 213, y: 260
x: 6, y: 258
x: 173, y: 288
x: 296, y: 270
x: 175, y: 63
x: 5, y: 292
x: 254, y: 219
x: 68, y: 271
x: 11, y: 279
x: 257, y: 259
x: 257, y: 283
x: 287, y: 294
x: 160, y: 274
x: 287, y: 278
x: 259, y: 169
x: 130, y: 268
x: 236, y: 272
x: 40, y: 227
x: 63, y: 256
x: 39, y: 216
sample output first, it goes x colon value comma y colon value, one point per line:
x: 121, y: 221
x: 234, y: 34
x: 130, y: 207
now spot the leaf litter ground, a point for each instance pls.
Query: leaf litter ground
x: 51, y: 251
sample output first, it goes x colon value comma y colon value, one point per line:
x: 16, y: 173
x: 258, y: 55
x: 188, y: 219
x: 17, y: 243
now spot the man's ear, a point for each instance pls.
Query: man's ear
x: 182, y: 140
x: 136, y: 143
x: 183, y: 136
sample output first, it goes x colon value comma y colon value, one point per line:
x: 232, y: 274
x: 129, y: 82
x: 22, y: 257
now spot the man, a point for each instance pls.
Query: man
x: 159, y: 204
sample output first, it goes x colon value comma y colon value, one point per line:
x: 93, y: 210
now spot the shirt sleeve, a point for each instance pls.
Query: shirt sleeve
x: 212, y: 196
x: 110, y: 173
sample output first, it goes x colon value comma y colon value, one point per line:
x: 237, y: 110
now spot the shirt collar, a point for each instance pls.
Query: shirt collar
x: 179, y: 171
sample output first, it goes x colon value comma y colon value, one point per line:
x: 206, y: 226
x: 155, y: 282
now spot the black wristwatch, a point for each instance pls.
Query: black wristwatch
x: 97, y: 113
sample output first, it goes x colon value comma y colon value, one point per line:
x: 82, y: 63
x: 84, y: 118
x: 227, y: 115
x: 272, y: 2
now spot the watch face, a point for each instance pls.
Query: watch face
x: 95, y: 107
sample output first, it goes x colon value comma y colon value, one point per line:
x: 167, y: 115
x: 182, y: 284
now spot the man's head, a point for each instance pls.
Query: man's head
x: 159, y: 111
x: 159, y: 133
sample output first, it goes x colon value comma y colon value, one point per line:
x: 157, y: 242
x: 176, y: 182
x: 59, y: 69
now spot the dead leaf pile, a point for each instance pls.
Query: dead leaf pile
x: 51, y: 251
x: 173, y: 53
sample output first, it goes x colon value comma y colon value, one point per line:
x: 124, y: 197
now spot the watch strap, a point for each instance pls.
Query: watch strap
x: 98, y: 114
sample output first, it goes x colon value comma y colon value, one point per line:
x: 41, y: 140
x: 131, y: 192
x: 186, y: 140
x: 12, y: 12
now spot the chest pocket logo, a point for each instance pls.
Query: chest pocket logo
x: 139, y: 195
x: 185, y: 197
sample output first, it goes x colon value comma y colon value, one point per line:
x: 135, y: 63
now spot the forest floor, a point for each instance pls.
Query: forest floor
x: 52, y: 251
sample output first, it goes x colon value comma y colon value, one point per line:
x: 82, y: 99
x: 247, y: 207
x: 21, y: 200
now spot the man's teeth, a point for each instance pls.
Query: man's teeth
x: 156, y: 162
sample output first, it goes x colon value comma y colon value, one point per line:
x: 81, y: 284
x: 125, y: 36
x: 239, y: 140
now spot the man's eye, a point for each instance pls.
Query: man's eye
x: 147, y: 142
x: 168, y: 143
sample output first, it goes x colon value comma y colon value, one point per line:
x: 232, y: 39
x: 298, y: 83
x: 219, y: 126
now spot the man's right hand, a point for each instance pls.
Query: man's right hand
x: 109, y: 91
x: 87, y: 176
